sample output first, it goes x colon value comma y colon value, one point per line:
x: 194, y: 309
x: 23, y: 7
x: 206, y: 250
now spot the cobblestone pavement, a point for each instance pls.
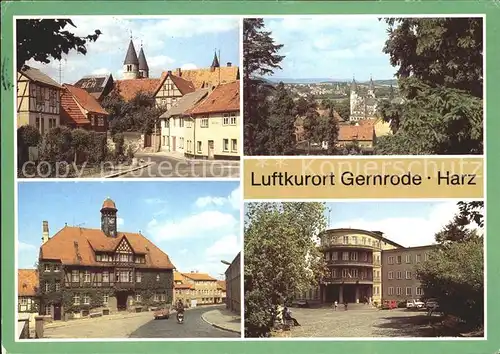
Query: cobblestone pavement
x: 361, y: 322
x: 166, y: 166
x: 193, y: 327
x: 137, y: 325
x: 223, y: 319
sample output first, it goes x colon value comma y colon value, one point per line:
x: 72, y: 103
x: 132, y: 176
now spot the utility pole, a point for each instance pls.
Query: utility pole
x: 219, y: 66
x: 60, y: 73
x: 329, y: 214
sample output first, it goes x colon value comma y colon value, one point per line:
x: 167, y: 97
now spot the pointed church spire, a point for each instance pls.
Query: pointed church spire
x: 131, y: 57
x: 215, y: 62
x: 372, y: 86
x: 353, y: 84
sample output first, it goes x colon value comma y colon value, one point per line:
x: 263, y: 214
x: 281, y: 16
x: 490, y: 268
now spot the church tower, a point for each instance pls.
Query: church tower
x: 215, y: 63
x: 108, y: 218
x: 354, y: 96
x: 131, y: 63
x: 143, y: 65
x: 371, y: 89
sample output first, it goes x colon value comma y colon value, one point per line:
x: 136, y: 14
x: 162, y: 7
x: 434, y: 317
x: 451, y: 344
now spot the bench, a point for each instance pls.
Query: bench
x: 95, y: 314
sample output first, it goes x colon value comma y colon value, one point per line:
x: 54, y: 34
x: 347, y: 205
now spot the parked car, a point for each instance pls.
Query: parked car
x: 162, y: 314
x: 431, y: 304
x: 389, y: 304
x: 415, y: 304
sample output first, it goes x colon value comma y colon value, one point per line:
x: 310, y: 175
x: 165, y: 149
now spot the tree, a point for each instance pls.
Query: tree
x: 343, y: 108
x: 281, y: 123
x: 80, y: 142
x: 330, y: 132
x: 281, y: 258
x: 43, y: 40
x: 260, y: 57
x: 440, y: 79
x: 312, y: 123
x: 454, y: 274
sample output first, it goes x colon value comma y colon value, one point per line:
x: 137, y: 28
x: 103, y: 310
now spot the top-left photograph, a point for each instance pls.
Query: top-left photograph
x: 122, y: 97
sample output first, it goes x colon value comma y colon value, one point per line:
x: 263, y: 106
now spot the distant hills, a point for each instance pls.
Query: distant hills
x: 389, y: 82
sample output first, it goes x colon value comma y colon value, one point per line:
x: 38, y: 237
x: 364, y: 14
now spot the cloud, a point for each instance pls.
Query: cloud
x: 101, y: 71
x: 234, y: 200
x: 22, y: 246
x: 407, y: 231
x: 120, y: 222
x: 225, y: 247
x: 27, y: 255
x: 154, y: 201
x: 193, y: 226
x: 188, y: 66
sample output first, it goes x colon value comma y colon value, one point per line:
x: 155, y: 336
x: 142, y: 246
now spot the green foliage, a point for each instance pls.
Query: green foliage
x: 119, y: 141
x: 281, y: 123
x: 342, y: 107
x: 28, y: 135
x: 43, y: 40
x: 330, y: 132
x: 260, y: 57
x: 80, y: 142
x: 312, y: 127
x: 440, y: 78
x: 454, y: 273
x: 281, y: 258
x: 57, y: 145
x: 98, y: 148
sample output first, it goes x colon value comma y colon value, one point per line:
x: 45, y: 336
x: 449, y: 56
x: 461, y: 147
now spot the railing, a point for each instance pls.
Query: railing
x: 348, y: 280
x: 329, y: 246
x: 366, y: 263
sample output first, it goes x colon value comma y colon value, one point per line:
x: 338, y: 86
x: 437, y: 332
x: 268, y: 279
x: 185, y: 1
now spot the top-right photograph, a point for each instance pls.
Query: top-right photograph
x: 363, y: 85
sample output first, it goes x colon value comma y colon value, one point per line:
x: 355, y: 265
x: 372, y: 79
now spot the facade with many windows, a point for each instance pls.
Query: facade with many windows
x: 399, y: 278
x: 84, y: 271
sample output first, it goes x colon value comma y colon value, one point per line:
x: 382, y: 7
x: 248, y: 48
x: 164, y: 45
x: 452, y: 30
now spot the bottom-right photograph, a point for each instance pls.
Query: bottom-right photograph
x: 364, y: 269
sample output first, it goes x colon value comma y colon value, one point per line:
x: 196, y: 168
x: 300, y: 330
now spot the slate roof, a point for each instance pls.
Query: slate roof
x: 131, y: 57
x: 143, y: 64
x: 185, y: 103
x: 94, y: 84
x: 39, y: 77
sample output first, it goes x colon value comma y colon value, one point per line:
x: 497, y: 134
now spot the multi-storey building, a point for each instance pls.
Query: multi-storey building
x: 183, y: 290
x: 233, y: 285
x: 27, y: 289
x: 38, y: 100
x: 399, y: 277
x: 353, y: 258
x: 85, y: 270
x: 205, y: 288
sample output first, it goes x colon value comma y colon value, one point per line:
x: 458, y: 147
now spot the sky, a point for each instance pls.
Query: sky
x: 168, y: 43
x: 196, y: 223
x: 408, y: 223
x: 337, y: 47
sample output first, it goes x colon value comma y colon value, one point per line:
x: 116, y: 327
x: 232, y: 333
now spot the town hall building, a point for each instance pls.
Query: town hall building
x: 85, y: 271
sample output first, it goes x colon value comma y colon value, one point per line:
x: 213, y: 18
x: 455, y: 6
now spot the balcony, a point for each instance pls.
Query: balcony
x: 347, y: 280
x: 350, y: 246
x: 356, y: 263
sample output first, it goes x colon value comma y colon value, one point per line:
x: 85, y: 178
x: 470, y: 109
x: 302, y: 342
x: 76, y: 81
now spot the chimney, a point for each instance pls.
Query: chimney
x: 178, y: 72
x: 45, y: 231
x: 169, y: 72
x: 229, y: 64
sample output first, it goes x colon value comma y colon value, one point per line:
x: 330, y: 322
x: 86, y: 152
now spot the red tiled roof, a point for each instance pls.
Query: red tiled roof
x: 128, y: 89
x: 224, y: 98
x: 27, y: 282
x: 70, y: 112
x: 205, y: 77
x: 199, y: 276
x: 363, y: 132
x: 85, y: 99
x: 76, y: 246
x: 183, y: 85
x: 108, y: 204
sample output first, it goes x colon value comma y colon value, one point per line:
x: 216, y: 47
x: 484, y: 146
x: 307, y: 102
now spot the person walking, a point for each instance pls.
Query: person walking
x: 335, y: 305
x: 345, y: 306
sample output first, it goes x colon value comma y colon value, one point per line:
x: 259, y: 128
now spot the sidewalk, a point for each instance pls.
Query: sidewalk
x: 223, y: 319
x: 180, y: 156
x: 121, y: 170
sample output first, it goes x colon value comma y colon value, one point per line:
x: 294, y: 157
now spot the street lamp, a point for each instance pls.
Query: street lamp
x: 225, y: 262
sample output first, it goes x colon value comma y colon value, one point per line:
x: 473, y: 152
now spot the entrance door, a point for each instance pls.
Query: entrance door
x: 147, y: 140
x: 173, y: 144
x: 57, y: 312
x: 211, y: 149
x: 121, y: 300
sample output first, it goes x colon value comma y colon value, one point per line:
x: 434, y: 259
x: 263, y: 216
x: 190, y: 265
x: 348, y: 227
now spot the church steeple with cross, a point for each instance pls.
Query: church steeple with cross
x: 135, y: 67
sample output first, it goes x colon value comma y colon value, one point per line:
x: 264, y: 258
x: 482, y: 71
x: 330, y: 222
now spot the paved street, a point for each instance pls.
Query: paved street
x: 138, y: 325
x: 165, y: 166
x: 360, y: 322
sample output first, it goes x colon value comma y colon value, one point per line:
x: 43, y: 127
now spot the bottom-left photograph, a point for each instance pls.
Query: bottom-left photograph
x: 128, y: 260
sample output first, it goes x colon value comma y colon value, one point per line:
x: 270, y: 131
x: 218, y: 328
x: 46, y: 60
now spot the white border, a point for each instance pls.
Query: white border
x: 241, y: 179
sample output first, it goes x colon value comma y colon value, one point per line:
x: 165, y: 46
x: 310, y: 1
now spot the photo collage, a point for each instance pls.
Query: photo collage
x: 249, y: 177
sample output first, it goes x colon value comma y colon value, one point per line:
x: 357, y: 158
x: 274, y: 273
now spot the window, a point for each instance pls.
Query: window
x: 399, y: 290
x: 138, y: 297
x: 408, y: 291
x: 225, y: 145
x: 391, y: 290
x: 399, y: 275
x: 327, y: 256
x: 204, y: 122
x: 346, y: 240
x: 98, y: 257
x: 47, y: 287
x: 232, y: 120
x: 124, y: 277
x: 76, y: 299
x: 100, y: 121
x: 42, y: 125
x: 345, y: 273
x: 354, y: 256
x: 199, y: 146
x: 398, y: 260
x: 87, y: 277
x: 157, y: 277
x: 105, y: 299
x: 345, y: 256
x: 408, y: 274
x: 46, y: 268
x: 48, y: 310
x: 86, y: 299
x: 234, y: 145
x: 363, y: 239
x: 105, y: 258
x: 225, y: 119
x: 156, y: 297
x: 376, y: 291
x: 354, y: 240
x: 38, y: 124
x: 391, y: 275
x: 123, y: 257
x: 426, y: 256
x: 419, y: 291
x: 390, y: 260
x: 354, y: 273
x: 74, y: 276
x: 408, y: 258
x: 105, y: 276
x: 58, y: 285
x: 138, y: 277
x: 163, y: 297
x: 418, y: 258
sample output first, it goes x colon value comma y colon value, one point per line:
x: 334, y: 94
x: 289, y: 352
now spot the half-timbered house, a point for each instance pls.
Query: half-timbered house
x: 98, y: 271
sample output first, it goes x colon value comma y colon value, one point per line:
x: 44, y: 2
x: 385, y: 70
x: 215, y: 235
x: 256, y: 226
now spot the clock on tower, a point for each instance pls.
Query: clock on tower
x: 108, y: 218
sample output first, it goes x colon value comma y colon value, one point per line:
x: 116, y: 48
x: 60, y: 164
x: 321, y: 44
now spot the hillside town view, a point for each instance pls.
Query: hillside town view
x: 352, y: 85
x: 152, y: 107
x: 77, y: 279
x: 363, y: 270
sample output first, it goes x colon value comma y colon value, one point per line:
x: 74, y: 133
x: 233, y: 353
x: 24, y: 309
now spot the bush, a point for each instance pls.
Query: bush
x: 98, y: 151
x: 27, y: 136
x: 80, y: 142
x: 119, y: 141
x: 57, y: 145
